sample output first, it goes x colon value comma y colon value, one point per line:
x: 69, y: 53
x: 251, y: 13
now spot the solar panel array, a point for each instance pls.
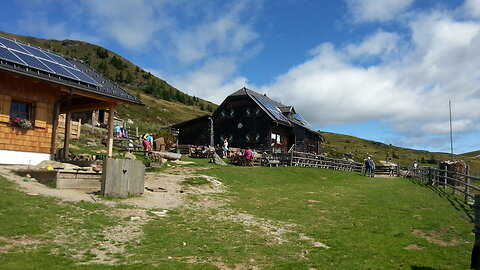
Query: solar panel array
x: 302, y: 121
x: 276, y: 113
x: 41, y: 60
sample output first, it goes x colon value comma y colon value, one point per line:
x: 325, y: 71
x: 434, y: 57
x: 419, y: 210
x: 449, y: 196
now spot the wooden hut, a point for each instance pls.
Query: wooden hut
x: 35, y: 87
x: 248, y: 118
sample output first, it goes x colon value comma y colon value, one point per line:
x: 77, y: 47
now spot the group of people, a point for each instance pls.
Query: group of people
x: 121, y: 132
x: 242, y: 157
x: 370, y: 168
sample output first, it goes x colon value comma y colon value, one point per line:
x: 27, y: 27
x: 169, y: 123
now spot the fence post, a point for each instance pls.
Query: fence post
x: 291, y: 160
x: 467, y: 183
x: 429, y: 176
x: 445, y: 175
x: 475, y: 258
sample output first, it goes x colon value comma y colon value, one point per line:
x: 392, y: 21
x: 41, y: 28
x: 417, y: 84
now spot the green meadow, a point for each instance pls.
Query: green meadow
x: 266, y: 218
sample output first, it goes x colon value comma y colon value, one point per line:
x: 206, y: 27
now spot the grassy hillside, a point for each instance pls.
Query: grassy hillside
x: 474, y: 154
x: 340, y: 146
x: 157, y: 113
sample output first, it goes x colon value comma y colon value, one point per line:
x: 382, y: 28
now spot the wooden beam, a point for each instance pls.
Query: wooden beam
x: 86, y: 107
x: 90, y: 95
x: 56, y: 112
x: 111, y: 113
x: 66, y: 142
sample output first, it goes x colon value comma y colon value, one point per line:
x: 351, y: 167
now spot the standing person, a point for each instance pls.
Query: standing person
x: 367, y: 167
x: 117, y: 131
x: 372, y: 168
x: 130, y: 146
x: 249, y: 156
x: 150, y: 139
x: 225, y: 148
x: 146, y: 142
x: 392, y: 168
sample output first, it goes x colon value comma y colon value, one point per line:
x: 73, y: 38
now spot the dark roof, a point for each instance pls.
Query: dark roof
x: 103, y: 86
x: 277, y: 111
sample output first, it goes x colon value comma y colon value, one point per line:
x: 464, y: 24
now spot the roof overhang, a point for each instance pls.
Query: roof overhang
x: 77, y: 89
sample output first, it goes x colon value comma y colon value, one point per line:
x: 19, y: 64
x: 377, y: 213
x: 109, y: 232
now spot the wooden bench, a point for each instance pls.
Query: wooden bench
x: 257, y: 159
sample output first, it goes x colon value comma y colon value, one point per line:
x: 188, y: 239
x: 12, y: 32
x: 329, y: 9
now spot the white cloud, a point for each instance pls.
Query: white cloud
x: 380, y: 44
x: 132, y: 23
x: 213, y: 81
x: 376, y: 10
x: 35, y: 20
x: 228, y: 32
x: 408, y: 86
x: 472, y: 8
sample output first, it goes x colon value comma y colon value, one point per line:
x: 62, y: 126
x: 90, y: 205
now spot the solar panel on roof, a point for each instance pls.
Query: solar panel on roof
x: 36, y: 52
x: 11, y: 44
x: 33, y: 62
x: 82, y: 76
x: 59, y: 59
x: 277, y: 114
x: 58, y: 69
x: 38, y: 59
x: 301, y: 120
x: 7, y: 55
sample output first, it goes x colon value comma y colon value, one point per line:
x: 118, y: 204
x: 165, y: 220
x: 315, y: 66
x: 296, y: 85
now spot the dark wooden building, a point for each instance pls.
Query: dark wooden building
x: 248, y: 118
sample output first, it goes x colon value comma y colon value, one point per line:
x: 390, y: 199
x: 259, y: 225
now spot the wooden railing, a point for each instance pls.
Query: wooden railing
x: 462, y: 183
x: 295, y: 158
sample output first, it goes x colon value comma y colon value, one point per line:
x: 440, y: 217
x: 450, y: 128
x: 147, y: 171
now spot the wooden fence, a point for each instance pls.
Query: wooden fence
x: 295, y: 158
x: 75, y: 127
x: 461, y: 183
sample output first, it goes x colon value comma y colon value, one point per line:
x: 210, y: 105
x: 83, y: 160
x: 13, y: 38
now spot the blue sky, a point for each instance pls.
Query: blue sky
x: 380, y: 70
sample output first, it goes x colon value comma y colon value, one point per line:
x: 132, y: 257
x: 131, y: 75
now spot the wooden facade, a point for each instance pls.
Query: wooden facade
x: 243, y: 123
x: 244, y: 118
x: 41, y: 96
x: 197, y: 131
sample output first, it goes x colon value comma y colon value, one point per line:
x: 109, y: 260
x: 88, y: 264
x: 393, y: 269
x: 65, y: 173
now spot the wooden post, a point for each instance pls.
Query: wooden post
x: 475, y: 258
x: 467, y: 183
x: 111, y: 113
x: 56, y: 112
x: 136, y: 131
x: 79, y: 128
x: 68, y: 128
x: 291, y: 159
x: 429, y: 176
x: 445, y: 178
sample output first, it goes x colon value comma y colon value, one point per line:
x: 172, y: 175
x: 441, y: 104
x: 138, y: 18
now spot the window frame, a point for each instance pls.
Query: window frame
x: 29, y: 107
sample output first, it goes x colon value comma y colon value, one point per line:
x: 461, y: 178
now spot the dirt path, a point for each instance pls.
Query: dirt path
x: 172, y: 194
